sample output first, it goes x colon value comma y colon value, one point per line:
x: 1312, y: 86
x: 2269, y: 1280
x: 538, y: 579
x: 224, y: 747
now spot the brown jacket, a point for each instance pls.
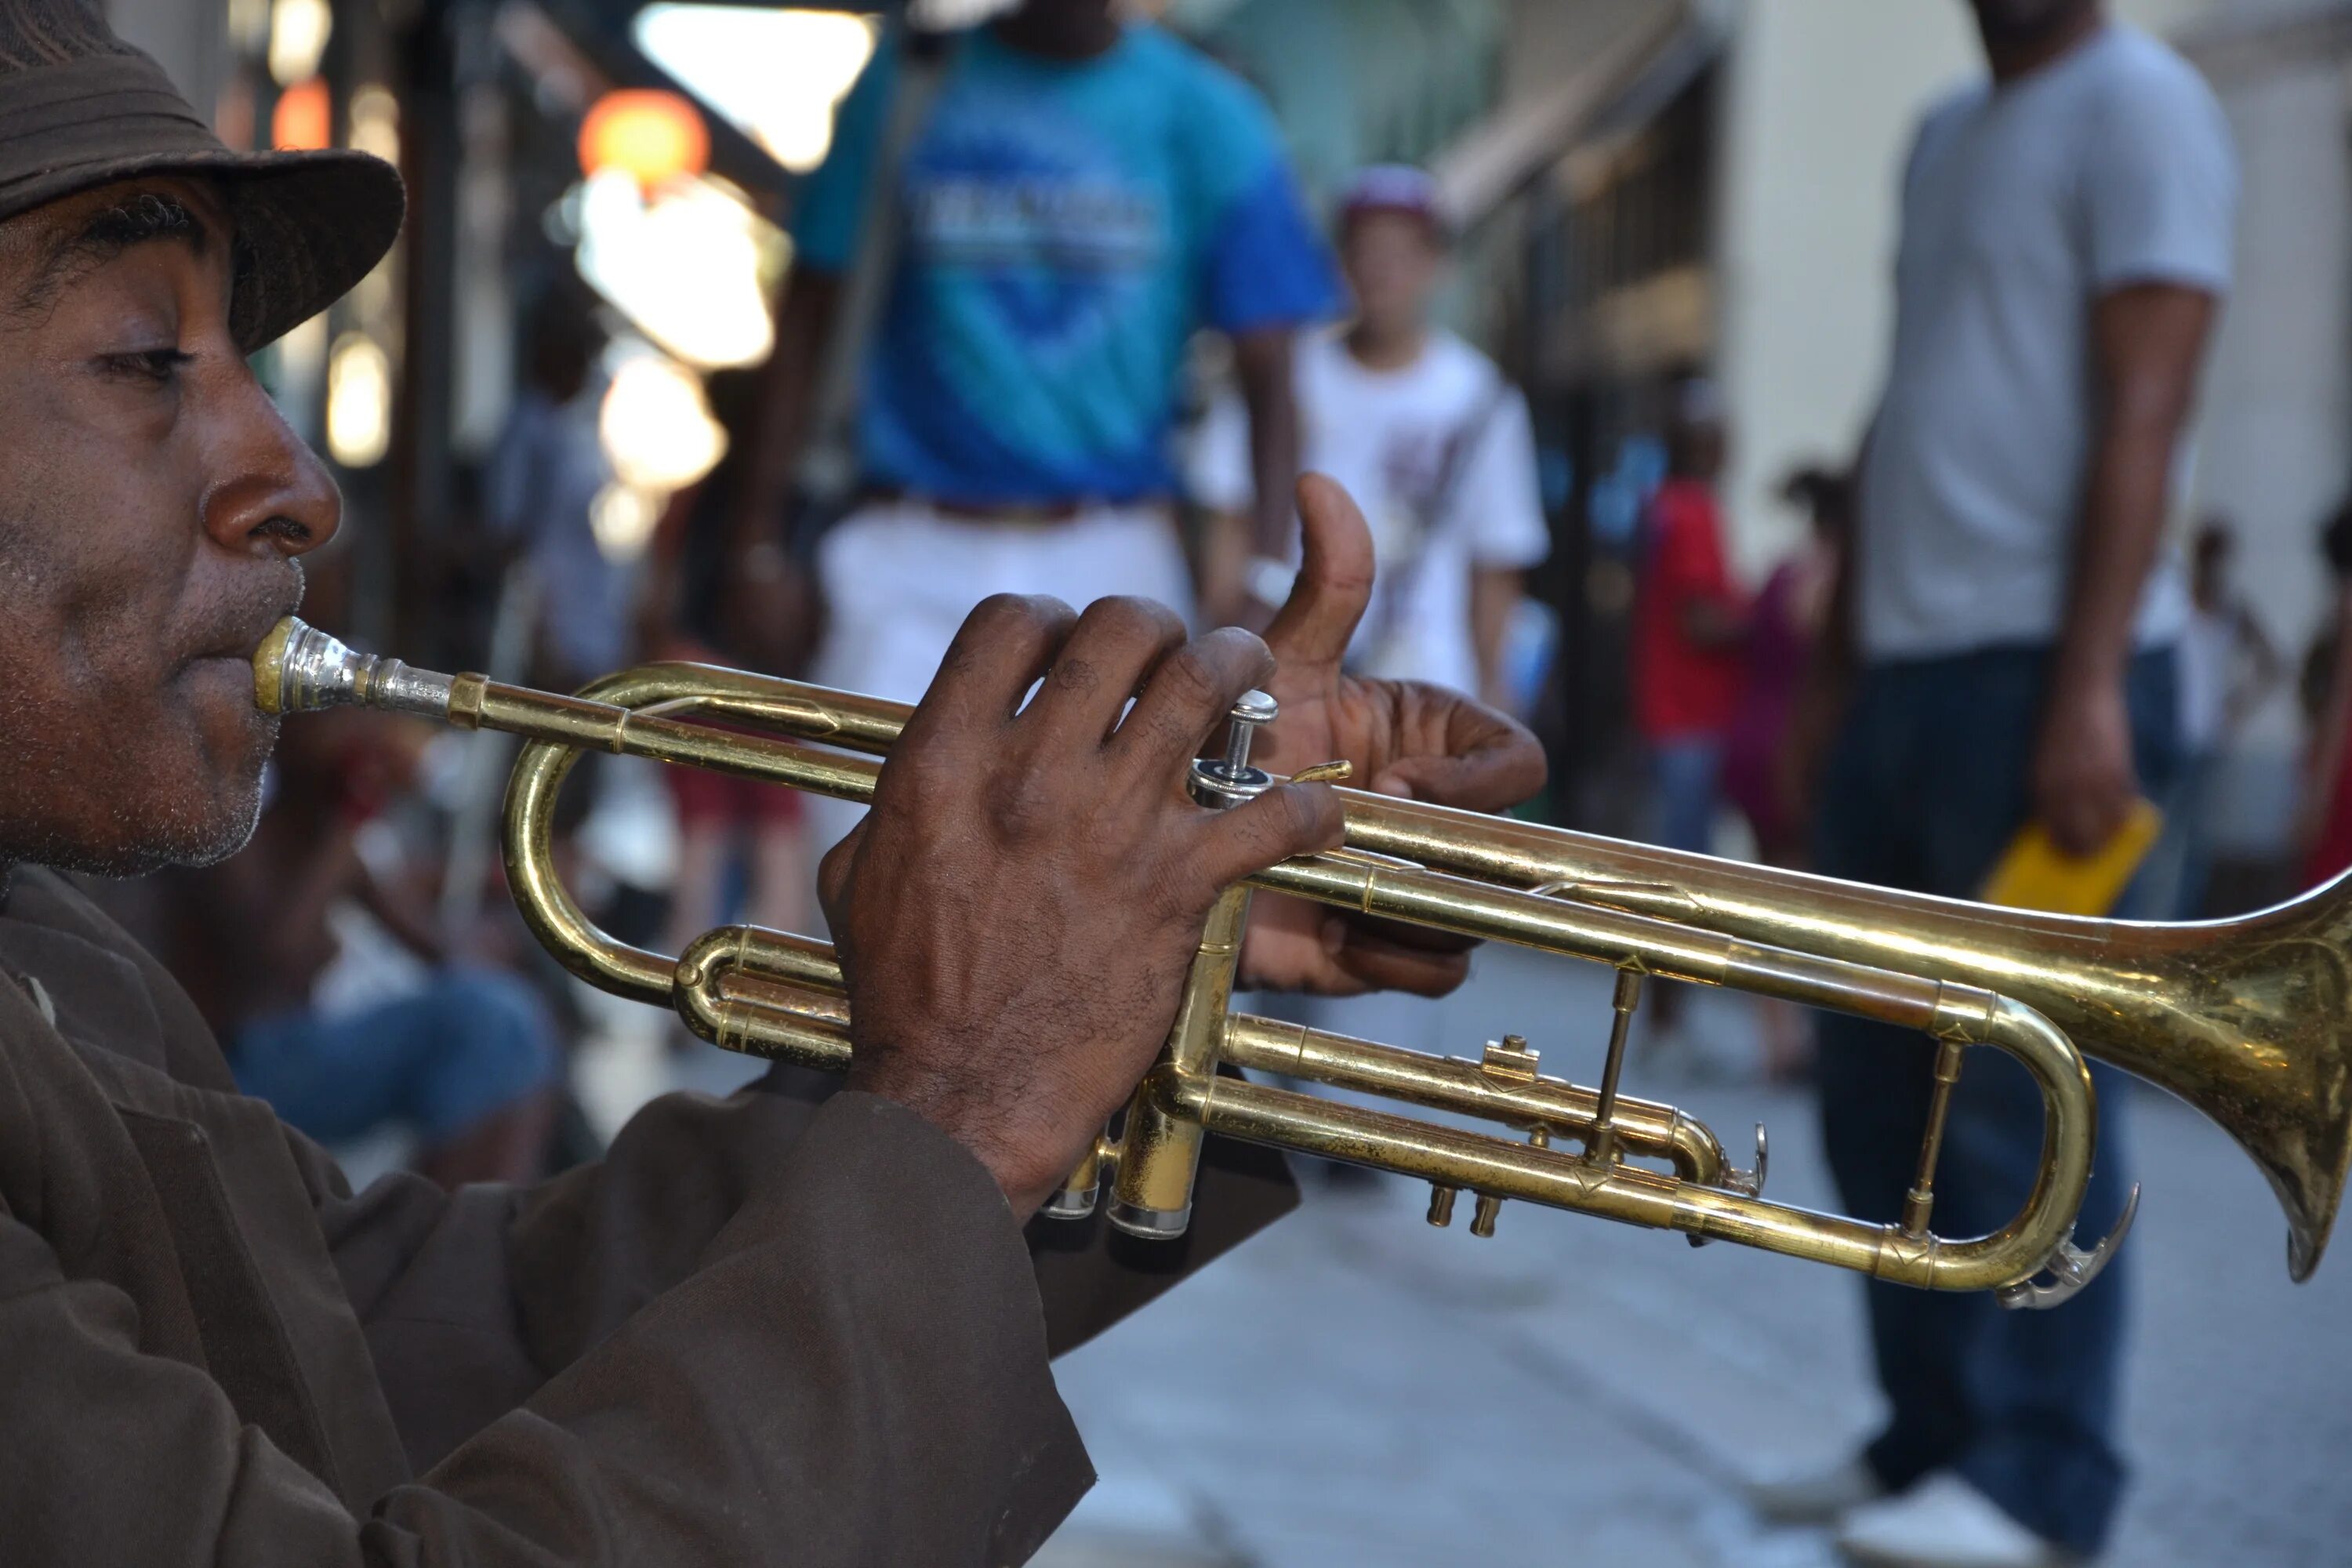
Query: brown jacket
x: 760, y: 1331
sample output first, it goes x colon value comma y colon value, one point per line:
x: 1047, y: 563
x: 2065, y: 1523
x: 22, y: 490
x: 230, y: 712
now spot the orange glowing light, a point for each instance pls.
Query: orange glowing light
x: 304, y: 120
x: 655, y: 135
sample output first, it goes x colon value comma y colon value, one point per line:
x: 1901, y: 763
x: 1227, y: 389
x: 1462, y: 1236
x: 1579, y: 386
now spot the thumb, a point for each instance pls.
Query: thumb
x: 1491, y: 776
x: 1334, y: 578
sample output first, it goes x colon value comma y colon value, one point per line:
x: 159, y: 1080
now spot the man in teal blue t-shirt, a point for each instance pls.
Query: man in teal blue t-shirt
x: 1080, y: 197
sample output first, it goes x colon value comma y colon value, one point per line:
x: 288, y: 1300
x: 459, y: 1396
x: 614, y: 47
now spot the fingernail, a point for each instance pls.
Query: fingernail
x: 1390, y: 784
x: 1335, y: 936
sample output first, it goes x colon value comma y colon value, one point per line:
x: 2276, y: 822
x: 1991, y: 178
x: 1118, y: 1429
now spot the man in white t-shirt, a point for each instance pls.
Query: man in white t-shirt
x: 2004, y: 643
x: 1428, y: 436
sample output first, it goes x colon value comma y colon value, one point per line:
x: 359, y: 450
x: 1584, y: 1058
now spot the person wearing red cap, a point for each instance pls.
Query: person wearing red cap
x: 756, y: 1332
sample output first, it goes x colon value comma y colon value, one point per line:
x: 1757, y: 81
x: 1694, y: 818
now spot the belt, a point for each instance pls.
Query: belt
x: 997, y: 514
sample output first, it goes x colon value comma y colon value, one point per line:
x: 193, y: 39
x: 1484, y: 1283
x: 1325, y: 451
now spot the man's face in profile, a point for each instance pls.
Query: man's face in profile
x: 153, y: 504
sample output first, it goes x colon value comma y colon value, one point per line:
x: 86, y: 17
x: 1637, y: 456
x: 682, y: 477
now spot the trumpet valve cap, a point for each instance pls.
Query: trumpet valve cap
x: 1441, y: 1205
x: 1482, y: 1218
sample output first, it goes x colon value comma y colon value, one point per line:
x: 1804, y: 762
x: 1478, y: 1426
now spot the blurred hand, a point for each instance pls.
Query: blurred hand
x: 1017, y: 913
x: 2084, y: 783
x: 1406, y: 739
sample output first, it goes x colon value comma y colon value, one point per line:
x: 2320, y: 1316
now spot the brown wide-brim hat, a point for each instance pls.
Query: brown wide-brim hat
x: 80, y: 109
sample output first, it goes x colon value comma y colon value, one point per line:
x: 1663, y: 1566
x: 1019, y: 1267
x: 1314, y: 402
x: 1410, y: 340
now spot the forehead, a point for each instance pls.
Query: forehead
x: 47, y: 249
x: 1388, y: 225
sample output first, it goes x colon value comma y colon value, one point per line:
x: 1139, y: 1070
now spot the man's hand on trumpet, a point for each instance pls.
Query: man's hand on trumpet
x: 1404, y: 738
x: 1017, y: 915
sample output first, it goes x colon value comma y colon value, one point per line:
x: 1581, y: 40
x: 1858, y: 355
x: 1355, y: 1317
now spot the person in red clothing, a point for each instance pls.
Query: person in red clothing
x: 1689, y: 622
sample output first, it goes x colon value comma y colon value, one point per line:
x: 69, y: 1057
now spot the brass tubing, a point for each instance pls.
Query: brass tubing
x: 1453, y: 903
x: 1160, y: 1151
x: 765, y: 1023
x: 1647, y: 1129
x: 780, y: 995
x: 1644, y: 1128
x: 2248, y: 1020
x: 1919, y: 1203
x: 547, y: 906
x: 1603, y: 1144
x: 1491, y: 1166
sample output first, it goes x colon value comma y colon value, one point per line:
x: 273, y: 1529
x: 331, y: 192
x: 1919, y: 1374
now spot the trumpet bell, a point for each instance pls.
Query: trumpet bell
x: 2252, y: 1025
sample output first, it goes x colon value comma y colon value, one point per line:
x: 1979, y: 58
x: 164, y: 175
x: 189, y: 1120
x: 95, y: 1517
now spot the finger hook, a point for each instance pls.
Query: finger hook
x: 2070, y: 1268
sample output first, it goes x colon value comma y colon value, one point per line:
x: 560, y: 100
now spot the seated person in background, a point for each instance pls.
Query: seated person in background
x: 757, y: 1332
x: 467, y: 1060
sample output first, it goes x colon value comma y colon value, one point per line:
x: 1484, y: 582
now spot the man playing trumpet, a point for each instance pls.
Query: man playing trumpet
x: 757, y: 1332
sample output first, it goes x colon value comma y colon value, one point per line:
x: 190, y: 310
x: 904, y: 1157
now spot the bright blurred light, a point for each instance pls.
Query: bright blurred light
x: 358, y: 401
x: 657, y: 430
x: 623, y: 518
x: 299, y: 30
x: 649, y: 134
x: 682, y: 262
x: 775, y: 73
x: 304, y: 120
x: 375, y: 122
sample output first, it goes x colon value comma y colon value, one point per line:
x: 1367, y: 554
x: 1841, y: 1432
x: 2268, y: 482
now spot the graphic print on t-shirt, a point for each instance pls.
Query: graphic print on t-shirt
x: 1065, y: 228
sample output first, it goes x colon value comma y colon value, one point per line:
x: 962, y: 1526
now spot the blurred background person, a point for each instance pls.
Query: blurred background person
x: 539, y: 496
x: 462, y: 1058
x: 2066, y: 235
x: 1690, y: 624
x: 1435, y: 445
x: 2226, y: 666
x: 1084, y: 194
x: 1759, y: 761
x: 2324, y: 825
x: 723, y: 823
x: 1428, y: 435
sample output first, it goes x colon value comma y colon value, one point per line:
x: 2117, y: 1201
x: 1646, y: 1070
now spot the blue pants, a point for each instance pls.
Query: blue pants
x: 1925, y: 787
x: 471, y: 1043
x: 1685, y: 775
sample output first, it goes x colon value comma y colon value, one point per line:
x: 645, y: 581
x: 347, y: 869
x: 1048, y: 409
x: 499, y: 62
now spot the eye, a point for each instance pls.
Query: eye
x: 156, y: 365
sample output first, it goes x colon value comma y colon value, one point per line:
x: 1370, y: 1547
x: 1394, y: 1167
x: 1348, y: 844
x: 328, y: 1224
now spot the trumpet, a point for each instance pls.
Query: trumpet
x: 2246, y: 1020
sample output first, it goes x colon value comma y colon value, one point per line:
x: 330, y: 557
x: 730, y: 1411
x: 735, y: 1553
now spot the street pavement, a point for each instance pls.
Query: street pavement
x: 1355, y: 1387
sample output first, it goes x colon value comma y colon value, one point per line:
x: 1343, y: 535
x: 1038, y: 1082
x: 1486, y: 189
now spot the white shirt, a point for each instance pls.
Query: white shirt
x: 2023, y: 204
x: 1441, y: 456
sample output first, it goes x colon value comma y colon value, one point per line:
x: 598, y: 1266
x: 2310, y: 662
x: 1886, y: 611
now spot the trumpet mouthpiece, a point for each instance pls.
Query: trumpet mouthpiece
x: 299, y: 669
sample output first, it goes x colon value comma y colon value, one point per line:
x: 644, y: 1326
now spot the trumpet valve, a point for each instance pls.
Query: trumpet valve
x: 1224, y: 783
x: 1510, y: 1060
x: 1441, y: 1205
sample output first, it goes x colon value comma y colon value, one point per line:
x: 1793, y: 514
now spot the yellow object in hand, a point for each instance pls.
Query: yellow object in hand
x: 2035, y: 874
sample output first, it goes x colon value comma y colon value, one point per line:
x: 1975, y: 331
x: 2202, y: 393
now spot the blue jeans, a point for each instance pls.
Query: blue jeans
x: 1925, y: 787
x: 471, y: 1043
x: 1684, y: 772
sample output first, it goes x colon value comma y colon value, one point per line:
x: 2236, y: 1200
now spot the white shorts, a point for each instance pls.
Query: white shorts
x: 899, y: 578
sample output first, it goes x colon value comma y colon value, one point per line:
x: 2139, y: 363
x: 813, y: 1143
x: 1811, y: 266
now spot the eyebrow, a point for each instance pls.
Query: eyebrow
x: 149, y: 217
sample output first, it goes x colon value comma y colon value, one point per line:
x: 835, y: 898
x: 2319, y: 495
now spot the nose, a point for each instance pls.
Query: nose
x: 273, y: 494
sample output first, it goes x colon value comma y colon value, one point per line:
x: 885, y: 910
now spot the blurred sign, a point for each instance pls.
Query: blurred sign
x: 776, y: 74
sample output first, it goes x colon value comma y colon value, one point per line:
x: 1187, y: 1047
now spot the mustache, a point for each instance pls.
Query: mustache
x: 234, y: 624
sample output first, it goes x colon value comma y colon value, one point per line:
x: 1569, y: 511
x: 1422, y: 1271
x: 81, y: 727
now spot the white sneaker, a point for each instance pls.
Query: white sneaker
x: 1816, y: 1496
x: 1943, y: 1522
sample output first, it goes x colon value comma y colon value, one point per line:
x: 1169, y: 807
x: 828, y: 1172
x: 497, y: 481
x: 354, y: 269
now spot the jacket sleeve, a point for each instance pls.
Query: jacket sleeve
x: 853, y: 1373
x: 472, y: 1300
